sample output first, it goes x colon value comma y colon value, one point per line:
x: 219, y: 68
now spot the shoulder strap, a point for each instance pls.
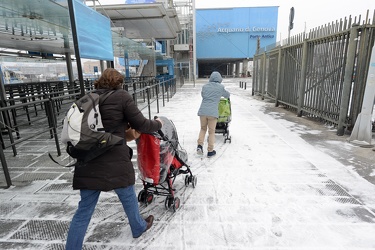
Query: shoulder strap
x: 68, y: 166
x: 102, y: 98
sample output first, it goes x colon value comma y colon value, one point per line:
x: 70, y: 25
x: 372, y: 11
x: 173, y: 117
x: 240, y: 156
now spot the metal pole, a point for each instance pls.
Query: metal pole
x: 76, y: 46
x: 5, y: 168
x: 278, y: 77
x: 345, y: 96
x: 194, y: 44
x: 2, y: 156
x: 2, y: 93
x: 264, y: 74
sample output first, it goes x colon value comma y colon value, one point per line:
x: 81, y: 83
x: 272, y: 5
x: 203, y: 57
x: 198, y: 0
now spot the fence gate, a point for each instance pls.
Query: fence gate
x: 320, y: 74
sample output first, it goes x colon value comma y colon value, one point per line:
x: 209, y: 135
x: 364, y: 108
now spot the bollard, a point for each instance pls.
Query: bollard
x: 245, y: 86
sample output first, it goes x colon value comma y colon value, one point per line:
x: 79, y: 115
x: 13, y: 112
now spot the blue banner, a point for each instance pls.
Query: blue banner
x: 94, y: 33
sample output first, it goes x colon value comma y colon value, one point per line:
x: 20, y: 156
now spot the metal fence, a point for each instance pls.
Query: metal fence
x: 320, y: 74
x: 32, y: 110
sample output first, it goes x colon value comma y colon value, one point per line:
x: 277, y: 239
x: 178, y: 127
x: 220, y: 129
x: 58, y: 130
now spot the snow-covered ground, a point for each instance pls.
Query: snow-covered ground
x: 267, y: 189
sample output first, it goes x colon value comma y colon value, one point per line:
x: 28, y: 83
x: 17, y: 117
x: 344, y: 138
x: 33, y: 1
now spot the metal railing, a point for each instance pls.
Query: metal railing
x: 35, y: 109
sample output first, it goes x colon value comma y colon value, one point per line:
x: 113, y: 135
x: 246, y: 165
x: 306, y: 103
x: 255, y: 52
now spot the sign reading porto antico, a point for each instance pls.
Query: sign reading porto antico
x: 250, y: 30
x: 234, y: 32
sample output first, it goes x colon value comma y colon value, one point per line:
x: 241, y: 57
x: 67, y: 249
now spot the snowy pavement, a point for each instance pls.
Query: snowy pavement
x: 267, y: 189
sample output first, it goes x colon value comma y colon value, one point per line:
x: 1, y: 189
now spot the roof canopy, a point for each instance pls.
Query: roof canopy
x: 34, y: 25
x: 143, y: 21
x: 44, y: 26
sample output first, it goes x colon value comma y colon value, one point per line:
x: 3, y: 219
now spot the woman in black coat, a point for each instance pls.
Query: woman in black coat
x: 112, y: 170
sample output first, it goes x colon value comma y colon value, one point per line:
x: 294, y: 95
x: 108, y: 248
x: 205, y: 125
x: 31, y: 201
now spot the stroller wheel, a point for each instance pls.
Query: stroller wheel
x: 194, y: 181
x: 149, y: 198
x: 142, y: 196
x: 187, y: 180
x: 176, y: 204
x: 168, y: 202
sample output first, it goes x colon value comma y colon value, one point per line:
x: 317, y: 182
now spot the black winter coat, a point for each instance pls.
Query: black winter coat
x: 114, y: 168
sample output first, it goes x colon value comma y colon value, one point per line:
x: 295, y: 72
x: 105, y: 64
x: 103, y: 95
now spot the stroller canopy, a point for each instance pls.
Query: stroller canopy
x: 170, y: 132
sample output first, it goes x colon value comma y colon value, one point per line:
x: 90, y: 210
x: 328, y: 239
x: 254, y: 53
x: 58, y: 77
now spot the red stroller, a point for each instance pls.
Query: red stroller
x: 160, y: 160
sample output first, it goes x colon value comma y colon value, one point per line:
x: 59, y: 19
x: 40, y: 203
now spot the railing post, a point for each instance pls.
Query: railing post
x: 148, y: 101
x: 51, y: 116
x: 167, y: 91
x: 264, y: 74
x: 5, y: 168
x: 135, y: 93
x: 163, y: 90
x: 278, y: 77
x: 345, y: 95
x: 255, y: 75
x: 302, y: 83
x: 157, y: 89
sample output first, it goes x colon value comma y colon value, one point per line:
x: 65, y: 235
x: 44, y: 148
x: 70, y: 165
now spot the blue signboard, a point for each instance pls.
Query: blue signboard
x: 129, y: 62
x: 233, y: 32
x: 94, y: 33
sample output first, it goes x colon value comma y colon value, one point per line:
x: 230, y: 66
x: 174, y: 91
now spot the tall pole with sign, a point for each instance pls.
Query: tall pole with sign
x: 290, y: 27
x: 76, y: 46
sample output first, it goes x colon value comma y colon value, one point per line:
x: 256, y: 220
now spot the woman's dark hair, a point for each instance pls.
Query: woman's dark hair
x: 110, y: 79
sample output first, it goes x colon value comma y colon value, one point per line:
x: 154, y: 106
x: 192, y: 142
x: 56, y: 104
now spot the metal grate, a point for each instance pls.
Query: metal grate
x: 59, y: 187
x: 36, y: 176
x: 42, y: 230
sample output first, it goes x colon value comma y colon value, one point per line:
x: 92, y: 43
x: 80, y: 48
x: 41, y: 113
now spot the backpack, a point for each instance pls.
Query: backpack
x: 83, y: 133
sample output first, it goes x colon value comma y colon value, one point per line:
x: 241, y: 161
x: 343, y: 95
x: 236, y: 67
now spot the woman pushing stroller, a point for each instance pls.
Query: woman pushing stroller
x: 112, y: 170
x: 208, y: 111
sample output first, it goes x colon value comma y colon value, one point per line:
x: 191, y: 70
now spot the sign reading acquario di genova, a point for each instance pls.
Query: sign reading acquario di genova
x: 233, y: 32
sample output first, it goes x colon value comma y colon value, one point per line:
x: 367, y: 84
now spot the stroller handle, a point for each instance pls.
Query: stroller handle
x: 159, y: 131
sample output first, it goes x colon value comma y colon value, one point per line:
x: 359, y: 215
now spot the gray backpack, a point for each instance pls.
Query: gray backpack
x: 83, y: 132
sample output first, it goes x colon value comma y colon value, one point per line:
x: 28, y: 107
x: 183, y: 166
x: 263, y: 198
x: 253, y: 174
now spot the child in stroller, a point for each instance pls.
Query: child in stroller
x: 225, y: 116
x: 160, y: 160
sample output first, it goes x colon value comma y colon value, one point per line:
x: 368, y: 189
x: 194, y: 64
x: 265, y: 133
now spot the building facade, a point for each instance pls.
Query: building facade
x: 227, y: 39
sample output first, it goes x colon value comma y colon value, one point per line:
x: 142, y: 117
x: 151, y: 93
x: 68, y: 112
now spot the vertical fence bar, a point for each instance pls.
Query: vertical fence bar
x: 278, y: 77
x: 5, y: 168
x: 344, y: 104
x: 302, y: 83
x: 51, y: 115
x: 148, y: 101
x: 264, y: 73
x: 255, y: 75
x: 163, y: 91
x: 157, y: 88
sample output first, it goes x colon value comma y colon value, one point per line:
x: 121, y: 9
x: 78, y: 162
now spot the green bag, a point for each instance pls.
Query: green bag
x: 224, y: 110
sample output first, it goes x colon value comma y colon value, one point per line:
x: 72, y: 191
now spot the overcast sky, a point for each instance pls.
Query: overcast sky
x: 308, y: 14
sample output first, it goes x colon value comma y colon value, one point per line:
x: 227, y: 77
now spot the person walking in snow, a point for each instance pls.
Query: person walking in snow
x: 112, y: 170
x: 209, y: 112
